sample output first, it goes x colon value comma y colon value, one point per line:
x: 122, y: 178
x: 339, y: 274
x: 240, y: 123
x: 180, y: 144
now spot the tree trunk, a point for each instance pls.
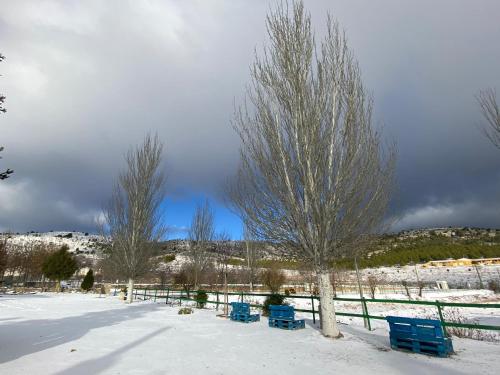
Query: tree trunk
x: 196, y: 278
x: 328, y: 318
x: 130, y: 290
x: 226, y: 299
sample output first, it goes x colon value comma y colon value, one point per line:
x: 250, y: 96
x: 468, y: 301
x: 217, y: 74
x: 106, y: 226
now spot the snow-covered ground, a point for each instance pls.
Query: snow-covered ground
x: 84, y: 334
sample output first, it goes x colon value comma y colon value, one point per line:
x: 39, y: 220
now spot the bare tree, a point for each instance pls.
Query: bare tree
x: 407, y: 289
x: 487, y: 100
x: 184, y: 277
x: 373, y: 283
x: 225, y: 249
x: 253, y: 255
x: 201, y: 234
x: 314, y: 175
x: 133, y: 218
x: 4, y: 257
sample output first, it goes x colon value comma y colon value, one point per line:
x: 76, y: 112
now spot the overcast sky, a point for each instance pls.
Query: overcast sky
x: 84, y: 80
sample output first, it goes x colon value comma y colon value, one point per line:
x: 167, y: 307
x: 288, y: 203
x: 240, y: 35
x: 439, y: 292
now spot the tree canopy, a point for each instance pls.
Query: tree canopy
x: 60, y: 265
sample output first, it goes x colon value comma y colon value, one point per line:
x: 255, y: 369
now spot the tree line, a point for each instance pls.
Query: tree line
x: 35, y: 262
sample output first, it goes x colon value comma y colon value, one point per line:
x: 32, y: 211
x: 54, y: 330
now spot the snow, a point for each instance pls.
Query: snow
x: 459, y: 276
x: 82, y: 242
x: 474, y: 315
x: 84, y: 334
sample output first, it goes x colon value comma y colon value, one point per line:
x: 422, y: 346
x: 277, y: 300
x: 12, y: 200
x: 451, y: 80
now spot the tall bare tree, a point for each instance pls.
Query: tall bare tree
x: 134, y: 218
x: 8, y: 172
x: 252, y: 254
x: 201, y: 233
x: 314, y: 175
x: 487, y: 100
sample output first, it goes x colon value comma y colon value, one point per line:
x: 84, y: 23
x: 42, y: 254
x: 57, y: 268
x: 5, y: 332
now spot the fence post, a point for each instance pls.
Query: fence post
x: 365, y: 313
x: 441, y: 318
x: 144, y: 297
x: 217, y: 298
x: 156, y: 291
x: 241, y: 296
x: 314, y: 313
x: 168, y: 292
x: 135, y: 294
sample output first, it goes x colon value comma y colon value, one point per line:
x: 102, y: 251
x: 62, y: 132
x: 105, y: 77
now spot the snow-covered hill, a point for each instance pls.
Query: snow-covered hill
x: 78, y: 242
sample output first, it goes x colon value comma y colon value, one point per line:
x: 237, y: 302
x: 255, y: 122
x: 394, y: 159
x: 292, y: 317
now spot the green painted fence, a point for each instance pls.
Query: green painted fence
x: 173, y: 296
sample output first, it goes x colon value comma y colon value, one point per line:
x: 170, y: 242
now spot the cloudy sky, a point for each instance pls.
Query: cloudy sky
x: 84, y: 80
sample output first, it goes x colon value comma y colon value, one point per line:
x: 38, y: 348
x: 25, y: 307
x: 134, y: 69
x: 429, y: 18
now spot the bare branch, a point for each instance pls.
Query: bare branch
x: 314, y: 175
x: 487, y: 100
x: 201, y: 233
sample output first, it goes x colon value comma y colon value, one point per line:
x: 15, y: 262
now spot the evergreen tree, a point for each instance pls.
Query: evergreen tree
x: 60, y: 265
x: 88, y: 281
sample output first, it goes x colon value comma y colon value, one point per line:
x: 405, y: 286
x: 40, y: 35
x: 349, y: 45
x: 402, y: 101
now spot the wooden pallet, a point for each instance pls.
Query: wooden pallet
x: 245, y: 318
x: 422, y: 347
x: 287, y: 324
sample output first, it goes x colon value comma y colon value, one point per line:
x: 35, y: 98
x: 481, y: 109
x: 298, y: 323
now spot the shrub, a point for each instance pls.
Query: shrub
x: 273, y: 299
x: 274, y: 279
x: 88, y: 281
x: 494, y: 286
x: 235, y: 262
x: 454, y: 315
x: 169, y: 258
x: 185, y: 311
x: 201, y: 298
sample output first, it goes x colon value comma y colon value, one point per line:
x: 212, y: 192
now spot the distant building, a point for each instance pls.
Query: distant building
x: 462, y: 262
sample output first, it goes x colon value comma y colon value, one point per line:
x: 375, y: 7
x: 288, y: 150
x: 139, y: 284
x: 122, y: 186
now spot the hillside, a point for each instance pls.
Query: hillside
x: 78, y: 242
x: 411, y: 246
x: 418, y: 246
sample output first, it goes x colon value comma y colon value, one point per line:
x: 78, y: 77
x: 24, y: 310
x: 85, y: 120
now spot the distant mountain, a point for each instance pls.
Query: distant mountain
x: 408, y: 246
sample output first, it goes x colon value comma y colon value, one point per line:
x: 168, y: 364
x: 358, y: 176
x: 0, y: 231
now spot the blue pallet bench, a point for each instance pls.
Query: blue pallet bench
x: 425, y: 336
x: 283, y: 316
x: 240, y: 312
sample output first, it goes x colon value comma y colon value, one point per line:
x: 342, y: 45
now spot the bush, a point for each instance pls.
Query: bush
x: 169, y: 258
x: 185, y: 311
x: 274, y: 279
x: 88, y: 281
x: 201, y: 298
x: 273, y: 299
x: 454, y: 315
x: 494, y: 286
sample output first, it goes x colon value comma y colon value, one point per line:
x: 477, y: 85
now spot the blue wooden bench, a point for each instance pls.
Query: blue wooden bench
x: 283, y: 316
x: 424, y: 336
x: 240, y: 312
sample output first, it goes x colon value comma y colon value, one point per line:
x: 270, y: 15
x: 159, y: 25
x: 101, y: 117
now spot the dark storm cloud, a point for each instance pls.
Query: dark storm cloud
x: 85, y: 80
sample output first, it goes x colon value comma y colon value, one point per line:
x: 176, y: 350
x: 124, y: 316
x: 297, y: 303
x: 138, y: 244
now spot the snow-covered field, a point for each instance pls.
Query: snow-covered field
x: 84, y: 334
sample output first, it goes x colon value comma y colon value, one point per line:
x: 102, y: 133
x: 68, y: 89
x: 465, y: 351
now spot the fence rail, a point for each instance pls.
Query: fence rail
x: 183, y: 295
